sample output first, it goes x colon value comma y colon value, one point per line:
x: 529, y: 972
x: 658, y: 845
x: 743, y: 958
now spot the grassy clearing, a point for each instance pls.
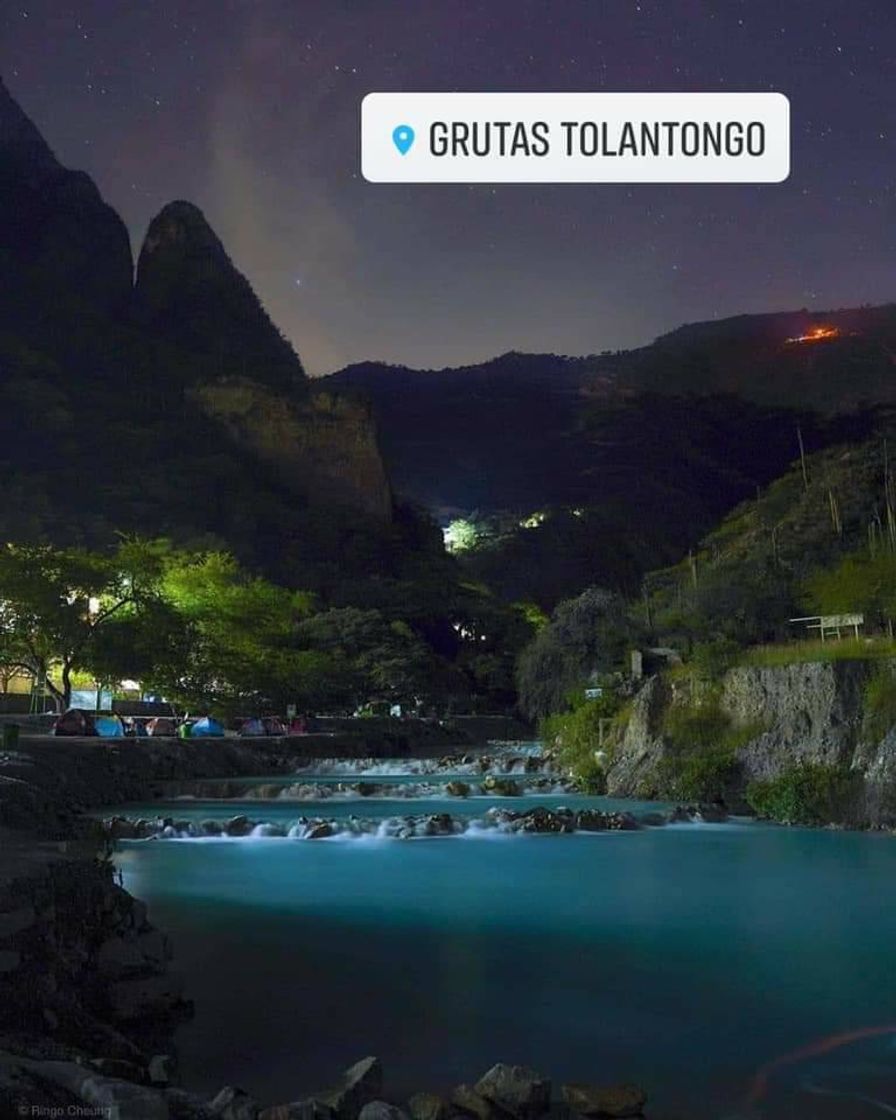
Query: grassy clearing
x: 797, y: 653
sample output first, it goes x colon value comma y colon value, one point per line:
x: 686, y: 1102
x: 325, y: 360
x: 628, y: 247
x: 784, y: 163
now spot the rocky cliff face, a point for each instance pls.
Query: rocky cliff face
x: 189, y: 380
x: 802, y: 713
x: 321, y: 443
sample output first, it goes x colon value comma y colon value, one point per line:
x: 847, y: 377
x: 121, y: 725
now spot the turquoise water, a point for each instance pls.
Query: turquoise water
x: 686, y: 958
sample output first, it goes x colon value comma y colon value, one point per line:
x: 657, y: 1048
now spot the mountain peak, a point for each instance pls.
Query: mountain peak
x: 183, y: 224
x: 21, y: 145
x: 189, y: 291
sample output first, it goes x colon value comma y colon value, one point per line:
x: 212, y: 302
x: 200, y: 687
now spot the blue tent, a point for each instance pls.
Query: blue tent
x: 206, y: 728
x: 108, y: 727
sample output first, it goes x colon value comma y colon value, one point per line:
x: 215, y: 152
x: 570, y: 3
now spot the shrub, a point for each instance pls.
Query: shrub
x: 576, y: 739
x: 701, y: 763
x: 809, y: 793
x: 708, y: 774
x: 880, y: 703
x: 712, y: 660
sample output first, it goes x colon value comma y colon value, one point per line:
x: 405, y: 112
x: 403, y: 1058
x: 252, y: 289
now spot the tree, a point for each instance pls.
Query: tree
x: 372, y: 656
x: 242, y: 648
x: 54, y: 603
x: 586, y: 635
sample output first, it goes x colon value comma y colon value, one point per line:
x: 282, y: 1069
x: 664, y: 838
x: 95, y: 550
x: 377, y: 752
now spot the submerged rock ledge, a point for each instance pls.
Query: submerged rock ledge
x: 537, y: 820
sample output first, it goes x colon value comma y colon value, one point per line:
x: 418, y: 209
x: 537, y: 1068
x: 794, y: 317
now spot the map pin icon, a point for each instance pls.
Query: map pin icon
x: 403, y: 138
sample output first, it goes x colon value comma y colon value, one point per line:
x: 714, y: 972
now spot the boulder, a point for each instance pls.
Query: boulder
x: 439, y: 824
x: 427, y: 1106
x: 380, y: 1110
x: 119, y: 1068
x: 238, y: 826
x: 320, y: 830
x: 160, y: 1069
x: 516, y: 1089
x: 361, y: 1084
x: 123, y: 1098
x: 613, y: 1102
x: 187, y: 1106
x: 457, y: 789
x: 233, y: 1104
x: 503, y: 787
x: 111, y: 1096
x: 311, y: 1109
x: 468, y: 1100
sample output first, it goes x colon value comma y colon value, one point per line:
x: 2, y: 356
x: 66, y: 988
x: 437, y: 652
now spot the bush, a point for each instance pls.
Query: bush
x: 712, y: 660
x: 880, y: 703
x: 701, y: 764
x: 810, y: 793
x: 576, y: 739
x: 708, y: 774
x: 692, y: 728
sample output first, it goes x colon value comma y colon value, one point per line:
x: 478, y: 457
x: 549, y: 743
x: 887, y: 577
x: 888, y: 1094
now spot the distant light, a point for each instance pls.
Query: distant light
x: 460, y: 535
x: 816, y: 334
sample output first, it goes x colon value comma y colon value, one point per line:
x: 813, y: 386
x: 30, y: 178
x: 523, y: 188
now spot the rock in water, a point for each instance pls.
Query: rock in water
x: 361, y: 1084
x: 233, y: 1104
x: 160, y: 1069
x: 468, y: 1100
x: 618, y: 1102
x: 520, y: 1091
x: 299, y: 1110
x: 427, y: 1106
x: 380, y: 1110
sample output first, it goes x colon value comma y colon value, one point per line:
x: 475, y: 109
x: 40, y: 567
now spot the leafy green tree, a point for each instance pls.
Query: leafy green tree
x: 242, y: 647
x: 55, y: 604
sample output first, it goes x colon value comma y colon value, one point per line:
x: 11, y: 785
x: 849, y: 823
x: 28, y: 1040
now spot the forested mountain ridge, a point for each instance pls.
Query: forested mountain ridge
x: 628, y: 458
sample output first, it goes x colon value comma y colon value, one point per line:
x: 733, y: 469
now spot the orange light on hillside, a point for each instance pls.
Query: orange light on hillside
x: 816, y: 334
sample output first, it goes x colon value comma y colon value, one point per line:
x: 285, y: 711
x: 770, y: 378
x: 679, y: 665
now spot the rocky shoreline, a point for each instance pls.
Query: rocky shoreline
x: 35, y: 1086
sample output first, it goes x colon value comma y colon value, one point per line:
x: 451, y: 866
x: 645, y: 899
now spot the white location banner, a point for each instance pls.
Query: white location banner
x: 575, y: 137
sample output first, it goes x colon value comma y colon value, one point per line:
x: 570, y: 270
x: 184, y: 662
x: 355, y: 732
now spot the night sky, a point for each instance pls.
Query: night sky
x: 250, y: 108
